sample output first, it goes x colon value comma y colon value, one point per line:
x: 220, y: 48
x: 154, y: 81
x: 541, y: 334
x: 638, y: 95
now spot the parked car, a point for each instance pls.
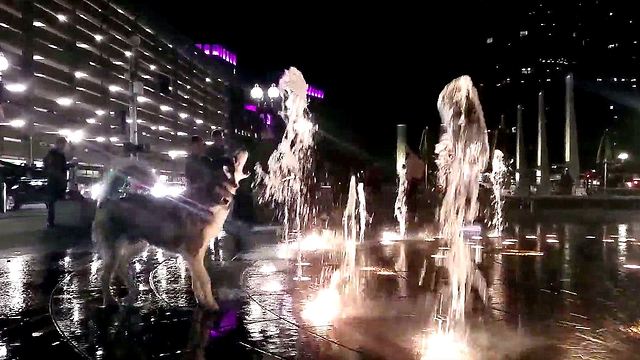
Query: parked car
x: 27, y: 191
x: 24, y: 184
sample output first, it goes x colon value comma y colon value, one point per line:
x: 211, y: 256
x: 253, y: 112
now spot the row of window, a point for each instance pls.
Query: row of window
x: 66, y: 94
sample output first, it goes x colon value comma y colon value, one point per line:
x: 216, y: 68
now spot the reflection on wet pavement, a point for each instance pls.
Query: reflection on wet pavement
x: 558, y: 291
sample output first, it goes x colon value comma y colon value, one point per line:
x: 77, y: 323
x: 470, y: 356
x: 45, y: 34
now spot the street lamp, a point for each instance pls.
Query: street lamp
x: 73, y: 136
x: 256, y: 92
x: 623, y: 156
x: 273, y: 92
x: 17, y: 123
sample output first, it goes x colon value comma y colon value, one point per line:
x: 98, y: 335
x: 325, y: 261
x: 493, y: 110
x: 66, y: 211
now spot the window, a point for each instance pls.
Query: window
x: 523, y: 33
x: 489, y: 40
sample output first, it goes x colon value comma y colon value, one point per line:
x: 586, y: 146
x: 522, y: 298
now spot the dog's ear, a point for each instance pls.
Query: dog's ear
x: 227, y: 173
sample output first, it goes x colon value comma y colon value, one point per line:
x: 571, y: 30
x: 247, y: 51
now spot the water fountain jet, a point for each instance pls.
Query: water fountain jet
x: 463, y: 152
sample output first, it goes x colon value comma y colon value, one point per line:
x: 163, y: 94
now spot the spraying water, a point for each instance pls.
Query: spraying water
x: 349, y: 216
x: 348, y: 266
x: 400, y: 211
x: 344, y: 282
x: 362, y: 210
x: 498, y: 173
x: 463, y: 152
x: 286, y: 182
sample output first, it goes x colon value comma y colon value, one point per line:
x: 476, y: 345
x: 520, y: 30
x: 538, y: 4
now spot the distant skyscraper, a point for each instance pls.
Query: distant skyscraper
x: 544, y: 41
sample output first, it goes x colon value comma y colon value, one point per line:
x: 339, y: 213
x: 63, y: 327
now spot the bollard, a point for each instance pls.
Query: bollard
x: 3, y: 197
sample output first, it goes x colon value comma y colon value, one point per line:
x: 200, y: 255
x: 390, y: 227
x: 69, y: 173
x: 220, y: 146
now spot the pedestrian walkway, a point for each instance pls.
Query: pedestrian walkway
x: 25, y: 230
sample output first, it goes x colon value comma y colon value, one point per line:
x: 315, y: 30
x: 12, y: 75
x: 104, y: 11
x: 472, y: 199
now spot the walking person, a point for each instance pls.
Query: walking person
x: 55, y: 167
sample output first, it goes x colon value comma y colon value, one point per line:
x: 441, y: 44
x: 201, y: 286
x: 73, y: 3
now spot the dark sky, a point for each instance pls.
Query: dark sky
x: 378, y: 64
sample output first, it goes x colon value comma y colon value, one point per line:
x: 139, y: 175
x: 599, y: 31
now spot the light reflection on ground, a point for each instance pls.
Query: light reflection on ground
x: 578, y: 298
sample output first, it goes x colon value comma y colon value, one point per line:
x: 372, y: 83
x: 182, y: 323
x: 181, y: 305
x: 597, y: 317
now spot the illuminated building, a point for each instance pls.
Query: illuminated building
x: 69, y: 74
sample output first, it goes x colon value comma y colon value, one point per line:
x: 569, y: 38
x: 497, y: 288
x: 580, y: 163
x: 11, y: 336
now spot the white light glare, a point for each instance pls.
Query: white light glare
x: 17, y: 123
x: 64, y: 101
x: 16, y: 87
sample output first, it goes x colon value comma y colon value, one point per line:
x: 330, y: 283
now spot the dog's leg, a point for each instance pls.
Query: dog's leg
x: 129, y: 250
x: 110, y: 262
x: 195, y: 284
x: 201, y: 282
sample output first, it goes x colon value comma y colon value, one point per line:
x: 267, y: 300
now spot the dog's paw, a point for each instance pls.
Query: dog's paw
x: 210, y: 306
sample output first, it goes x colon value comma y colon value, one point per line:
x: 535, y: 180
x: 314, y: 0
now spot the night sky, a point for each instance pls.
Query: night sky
x: 379, y: 64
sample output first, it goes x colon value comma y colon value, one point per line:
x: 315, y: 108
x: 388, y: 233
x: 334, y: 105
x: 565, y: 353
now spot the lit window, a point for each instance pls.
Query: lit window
x: 489, y: 40
x: 523, y: 33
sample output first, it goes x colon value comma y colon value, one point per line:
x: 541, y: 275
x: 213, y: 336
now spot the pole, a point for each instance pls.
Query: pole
x: 606, y: 162
x: 571, y: 133
x: 133, y: 92
x: 544, y: 185
x: 521, y: 161
x: 30, y: 149
x: 3, y: 194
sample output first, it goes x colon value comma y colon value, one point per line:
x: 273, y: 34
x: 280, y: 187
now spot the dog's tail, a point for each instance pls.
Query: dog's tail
x: 123, y: 176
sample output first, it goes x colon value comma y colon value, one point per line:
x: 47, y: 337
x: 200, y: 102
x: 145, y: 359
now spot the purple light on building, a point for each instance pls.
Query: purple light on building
x: 218, y: 51
x: 268, y: 120
x: 311, y: 91
x: 251, y: 108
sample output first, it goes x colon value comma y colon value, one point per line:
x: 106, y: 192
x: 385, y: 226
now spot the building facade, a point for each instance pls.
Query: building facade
x: 71, y: 66
x: 539, y: 44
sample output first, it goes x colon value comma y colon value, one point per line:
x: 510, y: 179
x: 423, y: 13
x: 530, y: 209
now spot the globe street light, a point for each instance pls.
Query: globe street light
x: 623, y: 156
x: 256, y: 92
x: 273, y: 92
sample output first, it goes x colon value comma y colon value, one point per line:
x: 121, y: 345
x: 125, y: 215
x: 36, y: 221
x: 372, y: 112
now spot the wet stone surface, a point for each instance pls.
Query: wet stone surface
x: 556, y: 291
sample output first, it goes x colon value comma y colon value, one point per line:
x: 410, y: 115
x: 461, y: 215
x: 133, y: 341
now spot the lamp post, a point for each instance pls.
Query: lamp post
x: 256, y: 93
x: 265, y: 106
x: 273, y: 92
x: 135, y: 89
x: 623, y: 156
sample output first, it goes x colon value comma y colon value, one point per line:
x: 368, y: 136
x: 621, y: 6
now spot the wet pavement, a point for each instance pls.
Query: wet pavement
x: 556, y: 290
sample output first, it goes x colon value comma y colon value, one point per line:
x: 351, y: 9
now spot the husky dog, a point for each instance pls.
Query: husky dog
x: 124, y: 226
